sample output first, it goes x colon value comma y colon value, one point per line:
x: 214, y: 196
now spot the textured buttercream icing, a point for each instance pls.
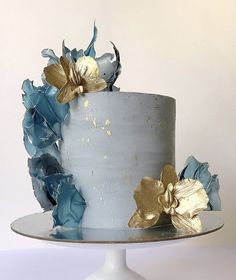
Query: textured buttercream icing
x: 110, y: 141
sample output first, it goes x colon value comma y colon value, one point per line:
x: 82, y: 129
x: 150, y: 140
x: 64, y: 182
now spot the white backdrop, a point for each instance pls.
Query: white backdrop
x: 182, y: 48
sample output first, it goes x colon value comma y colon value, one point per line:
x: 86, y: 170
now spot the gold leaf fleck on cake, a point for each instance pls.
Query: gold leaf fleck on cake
x: 86, y: 117
x: 86, y: 103
x: 109, y: 133
x: 107, y: 122
x: 95, y: 122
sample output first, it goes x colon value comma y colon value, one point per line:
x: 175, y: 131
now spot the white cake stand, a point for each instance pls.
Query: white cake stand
x: 116, y: 242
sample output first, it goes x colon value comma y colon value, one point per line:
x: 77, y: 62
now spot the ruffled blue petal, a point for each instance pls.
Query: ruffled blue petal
x: 53, y: 59
x: 76, y: 54
x: 109, y: 69
x: 199, y: 171
x: 214, y: 198
x: 37, y: 130
x: 71, y: 55
x: 52, y: 183
x: 43, y: 100
x: 90, y: 51
x: 41, y: 168
x: 65, y: 50
x: 45, y: 165
x: 70, y: 206
x: 30, y: 148
x: 36, y: 152
x: 42, y: 195
x: 191, y: 167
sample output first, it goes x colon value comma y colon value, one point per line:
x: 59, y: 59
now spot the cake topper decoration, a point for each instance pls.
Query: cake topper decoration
x: 74, y: 79
x: 75, y: 73
x: 79, y: 71
x: 182, y: 200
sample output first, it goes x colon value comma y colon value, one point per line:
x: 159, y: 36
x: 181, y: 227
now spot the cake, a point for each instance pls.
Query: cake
x: 91, y: 145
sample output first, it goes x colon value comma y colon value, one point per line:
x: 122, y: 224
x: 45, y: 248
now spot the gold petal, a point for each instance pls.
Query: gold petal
x: 65, y: 63
x: 93, y: 85
x: 191, y: 196
x: 168, y: 200
x: 87, y: 67
x: 74, y: 77
x: 168, y: 175
x: 55, y: 75
x: 137, y: 221
x: 190, y: 225
x: 67, y: 94
x: 146, y: 196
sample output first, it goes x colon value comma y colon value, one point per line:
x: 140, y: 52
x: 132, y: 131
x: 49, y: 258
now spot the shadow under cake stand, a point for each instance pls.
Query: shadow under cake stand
x: 39, y: 226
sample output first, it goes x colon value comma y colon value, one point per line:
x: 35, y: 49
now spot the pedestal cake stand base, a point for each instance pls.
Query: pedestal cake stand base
x: 116, y: 241
x: 115, y: 268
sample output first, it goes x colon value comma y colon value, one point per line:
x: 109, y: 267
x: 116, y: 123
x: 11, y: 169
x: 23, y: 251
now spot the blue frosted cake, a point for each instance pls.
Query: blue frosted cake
x: 95, y: 151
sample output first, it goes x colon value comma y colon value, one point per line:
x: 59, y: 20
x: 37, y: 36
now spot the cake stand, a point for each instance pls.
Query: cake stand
x: 39, y: 226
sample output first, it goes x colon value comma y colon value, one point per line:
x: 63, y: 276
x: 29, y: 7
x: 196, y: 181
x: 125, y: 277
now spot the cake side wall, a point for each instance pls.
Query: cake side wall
x: 112, y: 140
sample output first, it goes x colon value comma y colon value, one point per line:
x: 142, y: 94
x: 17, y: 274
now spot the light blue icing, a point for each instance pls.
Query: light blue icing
x: 199, y: 171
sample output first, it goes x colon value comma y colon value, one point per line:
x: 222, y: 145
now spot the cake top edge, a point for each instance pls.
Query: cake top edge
x: 132, y: 93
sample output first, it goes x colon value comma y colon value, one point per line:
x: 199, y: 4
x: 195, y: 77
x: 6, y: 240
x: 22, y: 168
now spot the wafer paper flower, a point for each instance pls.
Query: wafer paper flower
x: 74, y: 79
x: 70, y: 204
x: 42, y: 119
x: 40, y: 168
x: 182, y: 200
x: 199, y: 171
x: 109, y: 64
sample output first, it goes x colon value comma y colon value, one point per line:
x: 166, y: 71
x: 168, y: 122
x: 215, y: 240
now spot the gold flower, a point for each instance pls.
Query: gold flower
x: 74, y: 79
x: 183, y: 200
x: 146, y: 197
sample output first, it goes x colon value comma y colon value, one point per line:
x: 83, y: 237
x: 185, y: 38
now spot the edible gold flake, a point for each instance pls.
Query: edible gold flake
x: 95, y: 122
x: 86, y: 103
x: 86, y: 117
x: 107, y: 122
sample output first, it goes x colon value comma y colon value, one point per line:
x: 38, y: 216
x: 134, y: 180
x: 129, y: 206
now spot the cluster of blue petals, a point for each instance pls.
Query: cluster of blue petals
x: 199, y: 171
x: 42, y: 123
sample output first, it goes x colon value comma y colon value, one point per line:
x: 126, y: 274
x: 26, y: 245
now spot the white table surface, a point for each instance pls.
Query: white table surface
x: 184, y: 260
